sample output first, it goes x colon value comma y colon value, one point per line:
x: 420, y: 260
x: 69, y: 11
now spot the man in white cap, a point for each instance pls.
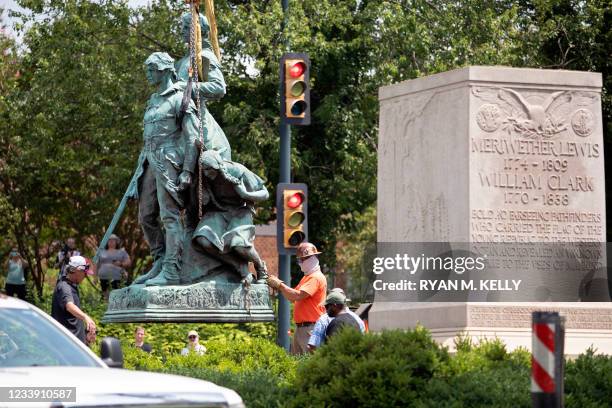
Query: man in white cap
x: 66, y: 303
x: 308, y: 295
x: 193, y: 346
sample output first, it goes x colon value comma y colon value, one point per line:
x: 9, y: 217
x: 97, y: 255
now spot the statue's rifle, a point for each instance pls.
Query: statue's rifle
x: 116, y: 216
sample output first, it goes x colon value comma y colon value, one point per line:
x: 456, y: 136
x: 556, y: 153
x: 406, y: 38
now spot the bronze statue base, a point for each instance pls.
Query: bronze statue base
x: 208, y: 301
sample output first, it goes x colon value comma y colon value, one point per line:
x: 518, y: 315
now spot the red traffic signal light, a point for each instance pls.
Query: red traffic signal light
x: 295, y: 89
x: 295, y: 200
x: 297, y: 70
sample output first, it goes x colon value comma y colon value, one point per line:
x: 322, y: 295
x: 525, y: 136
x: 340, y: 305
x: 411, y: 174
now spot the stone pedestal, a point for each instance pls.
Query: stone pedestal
x: 493, y: 155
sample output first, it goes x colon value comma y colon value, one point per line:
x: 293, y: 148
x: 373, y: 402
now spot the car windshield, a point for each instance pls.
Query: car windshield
x: 29, y: 339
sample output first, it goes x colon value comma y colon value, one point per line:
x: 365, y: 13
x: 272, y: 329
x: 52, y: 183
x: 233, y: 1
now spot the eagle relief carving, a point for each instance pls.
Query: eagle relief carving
x: 544, y: 118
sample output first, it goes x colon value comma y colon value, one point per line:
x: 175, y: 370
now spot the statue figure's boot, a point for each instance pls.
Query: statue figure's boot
x: 262, y: 272
x: 153, y: 272
x: 168, y: 276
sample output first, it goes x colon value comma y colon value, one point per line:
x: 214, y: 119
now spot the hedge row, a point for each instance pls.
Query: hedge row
x: 394, y: 368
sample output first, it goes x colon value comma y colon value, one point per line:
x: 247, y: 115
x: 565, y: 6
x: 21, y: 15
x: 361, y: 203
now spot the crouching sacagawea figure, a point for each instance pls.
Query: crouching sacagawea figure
x: 226, y: 231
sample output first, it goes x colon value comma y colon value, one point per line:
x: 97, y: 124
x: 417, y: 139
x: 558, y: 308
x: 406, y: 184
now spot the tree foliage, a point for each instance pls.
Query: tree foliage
x: 71, y: 128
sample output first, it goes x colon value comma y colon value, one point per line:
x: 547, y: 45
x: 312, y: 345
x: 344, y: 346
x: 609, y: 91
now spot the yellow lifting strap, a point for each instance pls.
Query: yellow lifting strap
x: 212, y: 20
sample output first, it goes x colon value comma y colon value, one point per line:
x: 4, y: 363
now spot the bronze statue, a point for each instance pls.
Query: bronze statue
x: 196, y: 206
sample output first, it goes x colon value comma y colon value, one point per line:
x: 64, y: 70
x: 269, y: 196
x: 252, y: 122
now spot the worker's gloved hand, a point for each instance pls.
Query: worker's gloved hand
x: 273, y: 282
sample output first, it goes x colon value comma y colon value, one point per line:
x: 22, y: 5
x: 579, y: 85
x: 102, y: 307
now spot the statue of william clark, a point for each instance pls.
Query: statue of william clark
x: 165, y: 169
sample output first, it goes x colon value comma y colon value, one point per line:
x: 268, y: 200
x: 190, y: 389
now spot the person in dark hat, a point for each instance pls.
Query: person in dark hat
x: 308, y: 296
x: 317, y: 337
x: 335, y: 305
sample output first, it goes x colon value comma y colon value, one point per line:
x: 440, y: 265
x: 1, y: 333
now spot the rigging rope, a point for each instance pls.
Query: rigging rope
x: 212, y: 21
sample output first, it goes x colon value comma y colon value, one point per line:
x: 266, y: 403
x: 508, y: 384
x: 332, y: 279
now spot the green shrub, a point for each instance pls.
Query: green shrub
x: 170, y: 338
x: 486, y: 354
x: 588, y: 381
x: 505, y: 386
x: 390, y: 369
x: 482, y: 374
x: 136, y: 359
x: 259, y: 370
x: 245, y: 354
x: 258, y: 388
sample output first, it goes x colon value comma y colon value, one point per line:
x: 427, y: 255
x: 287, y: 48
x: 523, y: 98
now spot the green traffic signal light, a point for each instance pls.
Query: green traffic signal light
x: 295, y: 219
x: 298, y: 88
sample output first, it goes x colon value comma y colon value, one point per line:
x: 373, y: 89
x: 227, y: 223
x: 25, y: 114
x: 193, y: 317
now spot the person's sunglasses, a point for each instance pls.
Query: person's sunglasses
x: 192, y: 337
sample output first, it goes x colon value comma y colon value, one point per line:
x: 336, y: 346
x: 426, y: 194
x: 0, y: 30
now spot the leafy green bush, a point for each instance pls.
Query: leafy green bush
x: 588, y: 381
x: 486, y: 354
x: 390, y: 369
x: 136, y: 359
x: 481, y: 375
x: 504, y: 386
x: 260, y: 371
x: 240, y: 355
x: 258, y: 388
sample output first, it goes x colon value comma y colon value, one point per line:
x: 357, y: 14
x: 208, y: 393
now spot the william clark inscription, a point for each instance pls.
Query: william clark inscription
x: 534, y: 160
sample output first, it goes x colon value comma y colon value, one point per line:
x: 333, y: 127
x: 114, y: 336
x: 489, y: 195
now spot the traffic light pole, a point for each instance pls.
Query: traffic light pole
x: 284, y: 261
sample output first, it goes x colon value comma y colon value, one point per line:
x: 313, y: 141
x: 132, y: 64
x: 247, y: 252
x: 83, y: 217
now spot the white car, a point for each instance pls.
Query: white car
x: 43, y: 365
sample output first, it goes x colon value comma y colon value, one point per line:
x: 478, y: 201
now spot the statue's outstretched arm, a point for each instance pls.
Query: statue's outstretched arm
x: 215, y: 87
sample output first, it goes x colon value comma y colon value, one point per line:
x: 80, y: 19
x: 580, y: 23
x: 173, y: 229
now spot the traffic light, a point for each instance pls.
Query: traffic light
x: 295, y: 89
x: 292, y: 216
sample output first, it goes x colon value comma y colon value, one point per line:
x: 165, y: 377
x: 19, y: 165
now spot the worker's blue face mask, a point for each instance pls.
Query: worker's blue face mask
x: 13, y: 253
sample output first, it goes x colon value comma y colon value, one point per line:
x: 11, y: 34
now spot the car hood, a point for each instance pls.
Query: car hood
x: 118, y: 387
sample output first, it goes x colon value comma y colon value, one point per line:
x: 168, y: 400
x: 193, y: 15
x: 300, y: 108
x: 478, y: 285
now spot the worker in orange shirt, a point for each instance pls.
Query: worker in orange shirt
x: 308, y: 296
